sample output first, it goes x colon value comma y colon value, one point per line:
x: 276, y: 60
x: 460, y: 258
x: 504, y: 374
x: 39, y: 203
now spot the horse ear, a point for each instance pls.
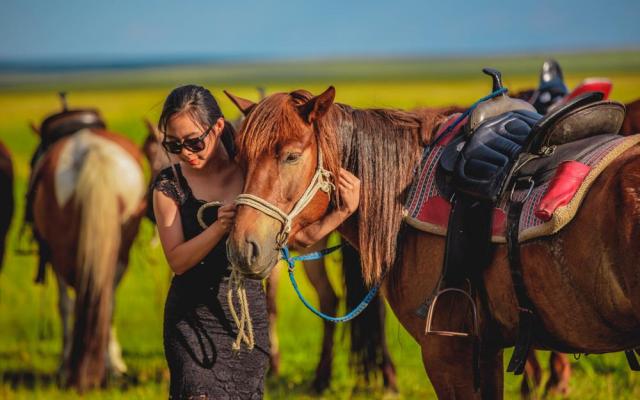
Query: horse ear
x: 318, y: 106
x: 245, y: 106
x: 153, y: 130
x: 34, y: 128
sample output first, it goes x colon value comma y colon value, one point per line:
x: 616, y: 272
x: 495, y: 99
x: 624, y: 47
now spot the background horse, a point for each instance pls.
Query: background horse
x: 369, y: 350
x: 6, y: 197
x: 583, y: 281
x: 89, y: 199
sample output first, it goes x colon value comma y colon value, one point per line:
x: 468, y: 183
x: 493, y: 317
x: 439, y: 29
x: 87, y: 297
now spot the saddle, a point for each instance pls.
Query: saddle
x: 508, y: 146
x: 551, y: 88
x: 66, y: 122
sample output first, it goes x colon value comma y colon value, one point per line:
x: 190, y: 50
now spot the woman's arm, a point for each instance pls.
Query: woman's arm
x: 182, y: 255
x: 349, y: 187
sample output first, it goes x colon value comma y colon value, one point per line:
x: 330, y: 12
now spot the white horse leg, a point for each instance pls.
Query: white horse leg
x: 114, y: 362
x: 65, y: 306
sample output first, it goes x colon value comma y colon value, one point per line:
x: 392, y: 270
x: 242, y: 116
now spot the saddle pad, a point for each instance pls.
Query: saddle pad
x: 427, y: 208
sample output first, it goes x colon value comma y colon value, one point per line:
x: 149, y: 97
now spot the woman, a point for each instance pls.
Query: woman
x: 198, y: 326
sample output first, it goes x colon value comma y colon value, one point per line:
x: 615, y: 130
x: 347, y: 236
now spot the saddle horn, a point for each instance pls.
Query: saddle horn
x: 497, y: 78
x: 63, y: 100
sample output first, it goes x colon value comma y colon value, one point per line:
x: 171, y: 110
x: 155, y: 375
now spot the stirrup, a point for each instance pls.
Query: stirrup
x: 429, y: 331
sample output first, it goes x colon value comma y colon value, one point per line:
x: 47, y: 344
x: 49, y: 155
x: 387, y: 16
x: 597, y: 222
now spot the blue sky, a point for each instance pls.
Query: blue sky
x: 118, y: 29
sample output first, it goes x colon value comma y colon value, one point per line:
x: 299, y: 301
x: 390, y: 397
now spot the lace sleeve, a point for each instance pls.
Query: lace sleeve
x: 166, y: 183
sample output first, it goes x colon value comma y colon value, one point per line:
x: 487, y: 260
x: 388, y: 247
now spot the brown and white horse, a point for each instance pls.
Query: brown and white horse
x: 583, y: 281
x: 369, y: 351
x: 89, y: 200
x: 6, y: 197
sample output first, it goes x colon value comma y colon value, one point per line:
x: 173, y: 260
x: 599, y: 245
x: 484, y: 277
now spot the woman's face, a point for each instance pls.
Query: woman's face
x: 181, y: 127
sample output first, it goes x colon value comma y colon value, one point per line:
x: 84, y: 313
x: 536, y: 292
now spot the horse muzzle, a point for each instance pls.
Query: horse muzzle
x: 252, y: 257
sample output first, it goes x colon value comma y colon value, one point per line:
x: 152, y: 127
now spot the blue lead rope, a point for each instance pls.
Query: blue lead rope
x: 316, y: 256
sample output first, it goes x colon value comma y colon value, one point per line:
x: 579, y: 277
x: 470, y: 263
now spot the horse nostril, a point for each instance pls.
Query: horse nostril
x: 253, y: 251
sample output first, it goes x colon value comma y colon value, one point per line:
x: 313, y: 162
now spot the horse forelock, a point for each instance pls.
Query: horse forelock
x: 274, y: 120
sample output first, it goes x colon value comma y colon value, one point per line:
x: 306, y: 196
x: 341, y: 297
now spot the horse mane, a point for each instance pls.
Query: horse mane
x: 382, y: 147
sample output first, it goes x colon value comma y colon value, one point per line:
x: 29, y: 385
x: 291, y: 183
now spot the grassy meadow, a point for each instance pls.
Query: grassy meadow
x: 30, y: 331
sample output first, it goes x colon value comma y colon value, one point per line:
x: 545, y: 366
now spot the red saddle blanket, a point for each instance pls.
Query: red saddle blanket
x: 549, y: 207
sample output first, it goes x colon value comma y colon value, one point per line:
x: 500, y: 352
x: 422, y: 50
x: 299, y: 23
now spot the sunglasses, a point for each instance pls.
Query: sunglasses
x: 194, y: 145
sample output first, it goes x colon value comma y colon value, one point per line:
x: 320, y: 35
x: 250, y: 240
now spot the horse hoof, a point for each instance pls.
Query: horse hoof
x: 320, y: 385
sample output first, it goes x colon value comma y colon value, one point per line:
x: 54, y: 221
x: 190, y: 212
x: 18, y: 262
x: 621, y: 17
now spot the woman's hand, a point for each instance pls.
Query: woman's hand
x: 349, y: 188
x: 226, y: 215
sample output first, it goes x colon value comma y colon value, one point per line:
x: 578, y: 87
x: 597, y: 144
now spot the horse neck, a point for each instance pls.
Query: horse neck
x: 382, y: 148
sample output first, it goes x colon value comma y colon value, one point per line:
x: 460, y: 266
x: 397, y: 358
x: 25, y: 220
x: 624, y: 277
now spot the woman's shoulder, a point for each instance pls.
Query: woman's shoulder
x: 167, y: 182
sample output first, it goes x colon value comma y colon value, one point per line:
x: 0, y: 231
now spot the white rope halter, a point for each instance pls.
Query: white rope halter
x: 321, y: 181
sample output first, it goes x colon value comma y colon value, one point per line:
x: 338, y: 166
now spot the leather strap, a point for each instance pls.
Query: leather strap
x: 632, y: 360
x: 525, y: 323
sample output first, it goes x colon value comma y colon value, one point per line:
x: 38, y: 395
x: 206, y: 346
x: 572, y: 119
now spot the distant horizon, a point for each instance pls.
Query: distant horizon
x: 161, y: 60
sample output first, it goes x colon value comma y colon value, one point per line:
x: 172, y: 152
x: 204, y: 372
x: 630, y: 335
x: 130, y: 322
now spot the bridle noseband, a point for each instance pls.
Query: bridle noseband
x: 321, y: 181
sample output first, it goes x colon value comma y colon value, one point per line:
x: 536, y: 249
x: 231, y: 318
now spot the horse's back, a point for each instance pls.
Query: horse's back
x: 78, y: 179
x: 103, y: 158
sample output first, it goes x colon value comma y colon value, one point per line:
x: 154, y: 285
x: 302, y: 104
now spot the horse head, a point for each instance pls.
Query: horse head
x: 152, y: 149
x: 288, y: 166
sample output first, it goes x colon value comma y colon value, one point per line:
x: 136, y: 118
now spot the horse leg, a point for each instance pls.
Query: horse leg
x: 317, y: 275
x: 560, y: 369
x: 114, y: 362
x: 532, y: 375
x: 272, y: 310
x: 65, y: 306
x: 387, y: 367
x: 448, y: 362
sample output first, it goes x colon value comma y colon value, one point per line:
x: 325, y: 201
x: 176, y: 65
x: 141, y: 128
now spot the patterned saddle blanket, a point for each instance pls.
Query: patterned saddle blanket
x: 428, y: 204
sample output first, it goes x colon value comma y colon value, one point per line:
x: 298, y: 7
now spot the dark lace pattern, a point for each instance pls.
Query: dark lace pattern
x: 198, y: 327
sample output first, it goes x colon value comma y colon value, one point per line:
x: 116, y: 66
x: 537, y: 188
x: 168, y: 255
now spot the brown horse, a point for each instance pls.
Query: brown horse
x: 89, y: 200
x: 6, y: 197
x: 559, y: 364
x: 369, y: 352
x: 631, y: 123
x: 583, y: 281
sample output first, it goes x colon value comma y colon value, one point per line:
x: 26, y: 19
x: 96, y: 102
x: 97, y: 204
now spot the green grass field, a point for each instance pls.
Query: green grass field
x: 30, y: 341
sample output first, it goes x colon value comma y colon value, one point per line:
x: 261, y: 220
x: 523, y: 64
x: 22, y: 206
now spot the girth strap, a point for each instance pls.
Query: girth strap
x: 525, y: 306
x: 632, y: 359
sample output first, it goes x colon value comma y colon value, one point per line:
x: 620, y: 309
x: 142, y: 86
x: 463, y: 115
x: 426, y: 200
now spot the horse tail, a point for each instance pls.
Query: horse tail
x: 367, y: 329
x: 101, y: 208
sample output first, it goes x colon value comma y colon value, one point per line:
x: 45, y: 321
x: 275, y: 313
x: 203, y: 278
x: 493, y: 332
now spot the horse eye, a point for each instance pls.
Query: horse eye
x: 292, y: 158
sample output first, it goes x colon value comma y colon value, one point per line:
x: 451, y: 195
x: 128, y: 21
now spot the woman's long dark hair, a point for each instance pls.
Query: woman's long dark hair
x: 202, y: 107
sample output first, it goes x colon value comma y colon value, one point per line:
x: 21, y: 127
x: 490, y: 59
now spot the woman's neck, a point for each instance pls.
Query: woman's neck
x: 218, y: 162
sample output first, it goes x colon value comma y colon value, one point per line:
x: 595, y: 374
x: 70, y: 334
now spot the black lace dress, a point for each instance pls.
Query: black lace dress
x: 198, y: 327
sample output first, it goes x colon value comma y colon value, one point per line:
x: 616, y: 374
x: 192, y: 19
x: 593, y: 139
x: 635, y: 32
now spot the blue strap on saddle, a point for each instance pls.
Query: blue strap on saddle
x: 316, y: 256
